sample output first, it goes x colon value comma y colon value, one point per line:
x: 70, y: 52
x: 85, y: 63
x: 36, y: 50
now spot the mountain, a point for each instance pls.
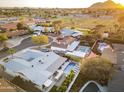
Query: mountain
x: 109, y: 4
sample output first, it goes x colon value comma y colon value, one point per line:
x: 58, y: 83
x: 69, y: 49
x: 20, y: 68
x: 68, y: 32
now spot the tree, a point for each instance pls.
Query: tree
x: 20, y: 26
x: 3, y: 38
x: 42, y: 39
x: 97, y: 69
x: 57, y: 26
x: 11, y: 51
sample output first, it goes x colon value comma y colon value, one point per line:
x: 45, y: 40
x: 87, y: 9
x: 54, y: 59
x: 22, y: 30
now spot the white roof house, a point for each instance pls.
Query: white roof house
x: 73, y: 45
x: 41, y: 28
x: 70, y: 32
x: 82, y: 51
x: 35, y: 65
x: 70, y: 47
x: 102, y: 46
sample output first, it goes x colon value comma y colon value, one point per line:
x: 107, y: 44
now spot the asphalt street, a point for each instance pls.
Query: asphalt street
x: 24, y: 44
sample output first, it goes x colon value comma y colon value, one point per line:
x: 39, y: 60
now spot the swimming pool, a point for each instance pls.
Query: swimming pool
x: 69, y: 68
x: 83, y: 49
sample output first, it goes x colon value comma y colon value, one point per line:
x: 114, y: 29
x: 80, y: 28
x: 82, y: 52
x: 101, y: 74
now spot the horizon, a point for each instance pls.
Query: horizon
x: 52, y: 4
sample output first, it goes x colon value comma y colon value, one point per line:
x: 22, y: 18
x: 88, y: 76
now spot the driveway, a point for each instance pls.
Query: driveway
x: 24, y: 44
x: 117, y: 82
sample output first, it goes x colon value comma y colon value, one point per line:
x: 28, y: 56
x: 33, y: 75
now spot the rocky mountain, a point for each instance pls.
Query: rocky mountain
x: 109, y: 4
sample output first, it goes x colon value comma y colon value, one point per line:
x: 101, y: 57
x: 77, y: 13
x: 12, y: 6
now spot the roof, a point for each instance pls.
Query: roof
x: 73, y: 45
x: 9, y: 26
x: 102, y: 46
x: 76, y: 53
x: 82, y: 51
x: 48, y: 83
x: 70, y: 32
x: 38, y: 28
x: 64, y: 42
x: 35, y: 65
x: 52, y: 68
x: 41, y: 28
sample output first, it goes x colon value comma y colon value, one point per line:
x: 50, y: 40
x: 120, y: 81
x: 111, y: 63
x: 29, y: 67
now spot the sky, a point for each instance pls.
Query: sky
x: 52, y: 3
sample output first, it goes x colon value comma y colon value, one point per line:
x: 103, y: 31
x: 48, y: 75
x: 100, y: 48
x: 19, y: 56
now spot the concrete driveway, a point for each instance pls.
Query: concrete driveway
x: 117, y: 82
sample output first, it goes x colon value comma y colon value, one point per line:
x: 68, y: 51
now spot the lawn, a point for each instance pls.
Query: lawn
x: 87, y: 23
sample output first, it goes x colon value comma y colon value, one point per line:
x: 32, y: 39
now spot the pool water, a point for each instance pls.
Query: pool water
x: 82, y: 49
x: 69, y: 68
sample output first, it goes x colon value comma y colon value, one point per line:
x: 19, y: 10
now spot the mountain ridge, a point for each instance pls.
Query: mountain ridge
x: 109, y: 4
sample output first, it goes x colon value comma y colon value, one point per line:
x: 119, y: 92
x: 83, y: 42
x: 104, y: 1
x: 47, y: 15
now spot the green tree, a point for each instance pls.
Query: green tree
x: 42, y: 39
x: 11, y: 51
x: 96, y: 69
x: 57, y: 26
x: 20, y: 26
x: 3, y: 38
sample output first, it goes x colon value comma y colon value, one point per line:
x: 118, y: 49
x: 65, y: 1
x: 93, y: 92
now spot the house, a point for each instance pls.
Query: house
x: 81, y: 51
x: 102, y: 46
x: 70, y: 32
x: 41, y: 29
x: 65, y: 44
x: 9, y: 26
x: 41, y: 68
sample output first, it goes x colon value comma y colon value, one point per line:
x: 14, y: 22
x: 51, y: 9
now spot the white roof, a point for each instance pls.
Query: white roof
x: 40, y: 67
x: 77, y: 53
x: 38, y: 28
x: 70, y: 32
x: 73, y: 45
x: 48, y: 83
x: 36, y: 76
x: 60, y: 72
x: 102, y: 46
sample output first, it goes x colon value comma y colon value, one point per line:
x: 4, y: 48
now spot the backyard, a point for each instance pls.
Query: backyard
x: 96, y: 69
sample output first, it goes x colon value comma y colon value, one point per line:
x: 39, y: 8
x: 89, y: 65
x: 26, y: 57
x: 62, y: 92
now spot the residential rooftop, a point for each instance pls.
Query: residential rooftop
x: 35, y: 65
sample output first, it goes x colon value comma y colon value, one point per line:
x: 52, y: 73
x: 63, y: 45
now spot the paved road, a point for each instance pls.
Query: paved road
x: 24, y: 44
x: 117, y: 82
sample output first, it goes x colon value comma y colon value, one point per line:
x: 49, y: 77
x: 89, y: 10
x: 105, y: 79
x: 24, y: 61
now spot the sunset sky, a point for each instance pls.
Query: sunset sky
x: 52, y: 3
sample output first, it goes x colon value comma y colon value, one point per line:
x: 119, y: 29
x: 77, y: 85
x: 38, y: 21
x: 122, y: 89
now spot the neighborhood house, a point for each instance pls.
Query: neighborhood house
x: 42, y: 68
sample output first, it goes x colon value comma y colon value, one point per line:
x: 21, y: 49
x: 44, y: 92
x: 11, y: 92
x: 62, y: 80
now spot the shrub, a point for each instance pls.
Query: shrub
x: 74, y: 58
x: 5, y: 60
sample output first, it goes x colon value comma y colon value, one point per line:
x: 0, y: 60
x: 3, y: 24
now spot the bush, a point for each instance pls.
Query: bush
x: 74, y: 58
x: 6, y: 60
